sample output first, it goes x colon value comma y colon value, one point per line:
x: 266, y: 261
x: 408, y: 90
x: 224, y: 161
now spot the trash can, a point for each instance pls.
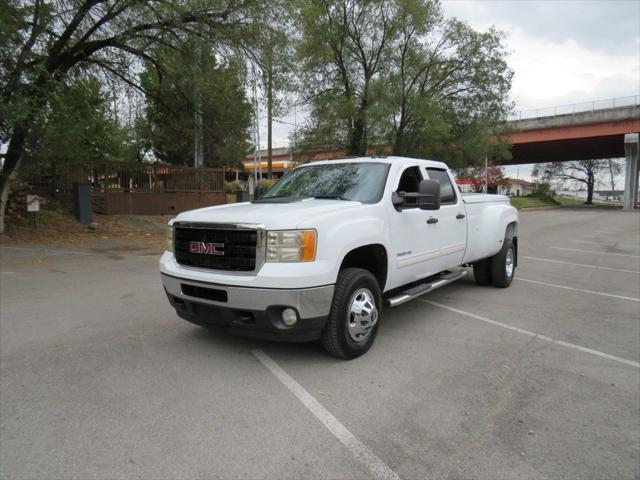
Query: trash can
x: 242, y: 196
x: 82, y: 202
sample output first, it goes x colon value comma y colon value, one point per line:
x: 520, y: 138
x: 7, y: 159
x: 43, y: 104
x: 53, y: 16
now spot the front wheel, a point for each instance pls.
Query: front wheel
x: 353, y: 321
x: 503, y: 265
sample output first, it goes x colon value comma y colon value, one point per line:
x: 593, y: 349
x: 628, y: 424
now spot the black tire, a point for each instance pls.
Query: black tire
x: 336, y: 338
x: 501, y: 277
x: 482, y: 272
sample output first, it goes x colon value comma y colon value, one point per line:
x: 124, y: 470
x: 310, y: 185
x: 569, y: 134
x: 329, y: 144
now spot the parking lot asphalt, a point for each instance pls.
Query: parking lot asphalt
x: 100, y: 379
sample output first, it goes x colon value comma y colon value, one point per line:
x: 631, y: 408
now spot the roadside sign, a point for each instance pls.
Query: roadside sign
x: 33, y: 203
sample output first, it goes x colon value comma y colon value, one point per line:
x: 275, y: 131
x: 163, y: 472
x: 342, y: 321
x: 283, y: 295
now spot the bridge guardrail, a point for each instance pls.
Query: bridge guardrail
x: 606, y: 104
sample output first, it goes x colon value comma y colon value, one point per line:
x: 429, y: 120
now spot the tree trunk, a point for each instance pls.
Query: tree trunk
x: 9, y: 169
x: 356, y: 146
x: 399, y: 147
x: 590, y: 185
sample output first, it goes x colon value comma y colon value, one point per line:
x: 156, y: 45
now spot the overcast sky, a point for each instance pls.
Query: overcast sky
x: 561, y: 51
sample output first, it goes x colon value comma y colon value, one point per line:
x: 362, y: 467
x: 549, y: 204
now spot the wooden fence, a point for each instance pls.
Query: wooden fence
x: 132, y: 188
x: 113, y: 177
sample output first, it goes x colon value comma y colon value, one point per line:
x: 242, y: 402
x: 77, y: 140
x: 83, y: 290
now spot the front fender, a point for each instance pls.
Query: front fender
x: 339, y: 234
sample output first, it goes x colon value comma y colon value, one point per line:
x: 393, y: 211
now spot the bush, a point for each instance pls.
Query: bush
x: 542, y: 190
x: 233, y: 187
x: 265, y: 184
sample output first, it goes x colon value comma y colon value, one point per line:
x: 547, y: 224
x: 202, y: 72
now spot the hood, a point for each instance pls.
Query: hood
x: 271, y: 215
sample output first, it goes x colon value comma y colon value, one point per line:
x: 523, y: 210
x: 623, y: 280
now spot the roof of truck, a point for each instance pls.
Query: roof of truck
x: 389, y: 160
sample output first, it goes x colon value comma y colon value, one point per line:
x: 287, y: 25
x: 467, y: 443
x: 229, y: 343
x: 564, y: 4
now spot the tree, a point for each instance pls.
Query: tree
x: 42, y: 43
x: 270, y: 49
x: 344, y: 50
x: 398, y: 72
x: 581, y: 171
x: 493, y: 177
x: 448, y: 88
x: 78, y: 126
x: 193, y: 78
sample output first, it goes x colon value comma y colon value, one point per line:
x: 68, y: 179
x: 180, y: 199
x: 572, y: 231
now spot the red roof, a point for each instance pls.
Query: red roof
x: 514, y: 181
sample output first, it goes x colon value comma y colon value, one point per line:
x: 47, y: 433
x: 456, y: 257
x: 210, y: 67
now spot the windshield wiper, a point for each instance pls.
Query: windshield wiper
x: 279, y: 199
x: 330, y: 197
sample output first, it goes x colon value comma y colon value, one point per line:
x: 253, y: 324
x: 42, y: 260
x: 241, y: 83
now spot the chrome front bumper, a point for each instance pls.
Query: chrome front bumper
x: 309, y: 302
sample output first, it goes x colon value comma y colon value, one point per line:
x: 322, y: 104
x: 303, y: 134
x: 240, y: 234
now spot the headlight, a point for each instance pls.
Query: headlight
x: 169, y: 243
x: 291, y: 246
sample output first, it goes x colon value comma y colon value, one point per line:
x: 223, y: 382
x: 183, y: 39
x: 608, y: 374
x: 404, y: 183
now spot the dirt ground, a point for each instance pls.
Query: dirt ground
x: 54, y: 226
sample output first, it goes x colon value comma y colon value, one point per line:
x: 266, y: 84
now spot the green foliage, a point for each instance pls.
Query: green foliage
x: 233, y: 187
x: 542, y: 190
x: 265, y: 184
x: 191, y: 77
x: 78, y: 126
x: 397, y: 72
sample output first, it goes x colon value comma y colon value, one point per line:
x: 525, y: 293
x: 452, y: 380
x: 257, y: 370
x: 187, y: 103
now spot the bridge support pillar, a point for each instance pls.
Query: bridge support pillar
x: 632, y: 151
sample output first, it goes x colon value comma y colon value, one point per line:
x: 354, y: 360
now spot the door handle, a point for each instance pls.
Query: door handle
x: 432, y: 220
x: 460, y: 216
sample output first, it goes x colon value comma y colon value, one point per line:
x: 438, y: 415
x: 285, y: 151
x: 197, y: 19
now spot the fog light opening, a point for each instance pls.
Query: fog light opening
x: 289, y: 317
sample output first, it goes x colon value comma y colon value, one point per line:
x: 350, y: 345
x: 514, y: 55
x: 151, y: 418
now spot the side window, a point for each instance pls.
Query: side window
x: 410, y: 182
x: 447, y: 192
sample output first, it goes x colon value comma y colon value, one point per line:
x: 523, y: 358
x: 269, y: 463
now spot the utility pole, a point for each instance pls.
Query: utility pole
x: 270, y: 109
x: 256, y: 126
x: 198, y: 149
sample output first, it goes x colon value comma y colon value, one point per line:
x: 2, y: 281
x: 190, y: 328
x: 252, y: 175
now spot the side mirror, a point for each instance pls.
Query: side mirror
x: 429, y: 195
x: 397, y: 200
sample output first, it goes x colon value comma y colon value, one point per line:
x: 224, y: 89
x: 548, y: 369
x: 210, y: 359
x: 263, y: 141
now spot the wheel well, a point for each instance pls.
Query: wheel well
x: 369, y: 257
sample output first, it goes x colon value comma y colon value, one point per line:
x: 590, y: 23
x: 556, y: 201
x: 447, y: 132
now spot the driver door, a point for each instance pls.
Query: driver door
x: 415, y: 250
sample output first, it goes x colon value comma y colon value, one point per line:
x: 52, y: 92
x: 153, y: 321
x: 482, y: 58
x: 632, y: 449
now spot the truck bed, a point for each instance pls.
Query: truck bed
x: 484, y: 198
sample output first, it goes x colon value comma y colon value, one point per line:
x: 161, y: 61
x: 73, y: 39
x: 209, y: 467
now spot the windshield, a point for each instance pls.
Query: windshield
x: 359, y: 182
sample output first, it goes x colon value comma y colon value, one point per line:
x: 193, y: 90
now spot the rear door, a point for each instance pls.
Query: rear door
x: 450, y: 230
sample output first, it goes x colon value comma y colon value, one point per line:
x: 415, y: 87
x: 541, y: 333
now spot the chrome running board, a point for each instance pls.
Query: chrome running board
x: 423, y: 288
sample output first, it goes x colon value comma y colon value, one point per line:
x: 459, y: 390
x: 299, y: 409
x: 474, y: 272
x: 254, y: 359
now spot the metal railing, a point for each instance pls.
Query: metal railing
x: 606, y: 104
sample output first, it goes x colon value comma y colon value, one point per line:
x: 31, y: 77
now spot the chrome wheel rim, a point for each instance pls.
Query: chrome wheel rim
x: 363, y: 315
x: 509, y: 264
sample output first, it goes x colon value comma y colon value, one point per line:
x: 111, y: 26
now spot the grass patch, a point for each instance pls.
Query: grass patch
x: 570, y: 201
x: 528, y: 202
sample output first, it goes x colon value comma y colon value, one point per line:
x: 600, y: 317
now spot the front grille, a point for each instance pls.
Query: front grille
x: 240, y: 248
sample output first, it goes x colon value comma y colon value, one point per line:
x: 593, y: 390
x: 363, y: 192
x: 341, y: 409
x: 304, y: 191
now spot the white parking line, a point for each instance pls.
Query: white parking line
x: 591, y: 351
x: 580, y: 264
x: 377, y: 467
x: 596, y: 252
x: 608, y: 244
x: 592, y: 292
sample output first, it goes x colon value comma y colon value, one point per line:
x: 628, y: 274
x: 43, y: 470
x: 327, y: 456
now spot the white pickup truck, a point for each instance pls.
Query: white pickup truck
x: 320, y: 253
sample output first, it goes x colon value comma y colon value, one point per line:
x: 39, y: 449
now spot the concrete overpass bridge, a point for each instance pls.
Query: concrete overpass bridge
x: 599, y: 129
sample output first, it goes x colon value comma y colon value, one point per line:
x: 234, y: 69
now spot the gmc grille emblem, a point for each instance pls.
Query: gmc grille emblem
x: 206, y: 248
